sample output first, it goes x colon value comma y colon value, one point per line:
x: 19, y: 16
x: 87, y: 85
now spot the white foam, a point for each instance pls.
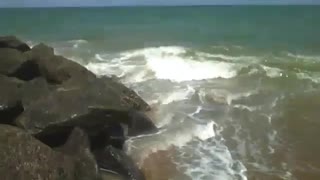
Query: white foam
x: 177, y: 95
x: 179, y: 129
x: 77, y: 43
x: 99, y: 57
x: 250, y: 59
x: 176, y: 135
x: 272, y: 72
x: 31, y: 43
x: 209, y: 161
x: 304, y: 57
x: 314, y: 77
x: 168, y: 62
x: 176, y: 68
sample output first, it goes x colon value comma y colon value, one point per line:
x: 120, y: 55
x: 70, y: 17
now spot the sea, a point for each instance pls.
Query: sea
x: 234, y: 90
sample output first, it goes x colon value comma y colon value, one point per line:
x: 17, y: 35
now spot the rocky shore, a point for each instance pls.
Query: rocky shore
x: 58, y: 121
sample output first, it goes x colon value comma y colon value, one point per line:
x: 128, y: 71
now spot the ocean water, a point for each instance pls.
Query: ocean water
x: 234, y: 89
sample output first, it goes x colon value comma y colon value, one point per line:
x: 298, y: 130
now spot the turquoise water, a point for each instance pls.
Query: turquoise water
x: 252, y: 72
x: 273, y: 27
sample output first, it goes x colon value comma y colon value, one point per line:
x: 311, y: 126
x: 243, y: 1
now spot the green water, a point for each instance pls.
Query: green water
x: 254, y: 71
x: 273, y: 27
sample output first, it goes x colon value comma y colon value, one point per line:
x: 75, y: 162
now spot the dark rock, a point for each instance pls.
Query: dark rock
x: 27, y: 71
x: 78, y: 145
x: 93, y: 108
x: 10, y: 105
x: 114, y: 160
x: 33, y: 90
x: 140, y: 123
x: 24, y: 157
x: 30, y: 69
x: 14, y: 43
x: 41, y: 50
x: 10, y: 60
x: 128, y: 96
x: 112, y: 134
x: 57, y: 69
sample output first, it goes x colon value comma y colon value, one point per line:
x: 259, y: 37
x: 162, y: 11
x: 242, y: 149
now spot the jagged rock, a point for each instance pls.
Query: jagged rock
x: 14, y: 43
x: 57, y: 69
x: 51, y: 97
x: 29, y: 70
x: 10, y: 60
x: 114, y: 160
x: 10, y: 105
x: 24, y: 157
x: 92, y: 107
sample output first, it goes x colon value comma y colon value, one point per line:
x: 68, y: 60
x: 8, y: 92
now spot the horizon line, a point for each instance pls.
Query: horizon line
x: 147, y: 5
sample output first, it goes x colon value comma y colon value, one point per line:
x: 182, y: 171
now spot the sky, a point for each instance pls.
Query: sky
x: 58, y: 3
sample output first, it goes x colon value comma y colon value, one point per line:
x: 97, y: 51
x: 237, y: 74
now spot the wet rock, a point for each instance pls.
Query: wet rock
x: 140, y: 123
x: 78, y: 145
x: 116, y: 161
x: 24, y: 157
x: 10, y: 105
x: 112, y: 134
x: 60, y: 104
x: 129, y: 98
x: 10, y: 60
x: 106, y: 175
x: 13, y: 43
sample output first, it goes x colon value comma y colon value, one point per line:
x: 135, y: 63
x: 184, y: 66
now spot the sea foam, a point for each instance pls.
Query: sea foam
x: 169, y: 63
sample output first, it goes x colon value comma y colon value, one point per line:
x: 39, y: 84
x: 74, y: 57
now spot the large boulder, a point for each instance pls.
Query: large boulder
x: 14, y: 43
x: 10, y: 105
x: 24, y: 157
x: 10, y: 60
x: 113, y: 160
x: 91, y: 107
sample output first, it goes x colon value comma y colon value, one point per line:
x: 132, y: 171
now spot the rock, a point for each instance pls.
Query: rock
x: 114, y: 160
x: 41, y: 50
x: 33, y: 90
x: 112, y: 134
x: 10, y: 105
x: 29, y: 70
x: 78, y: 146
x: 57, y: 69
x: 92, y: 108
x: 111, y: 176
x: 140, y: 123
x: 10, y: 60
x: 128, y: 96
x: 13, y: 43
x: 24, y: 157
